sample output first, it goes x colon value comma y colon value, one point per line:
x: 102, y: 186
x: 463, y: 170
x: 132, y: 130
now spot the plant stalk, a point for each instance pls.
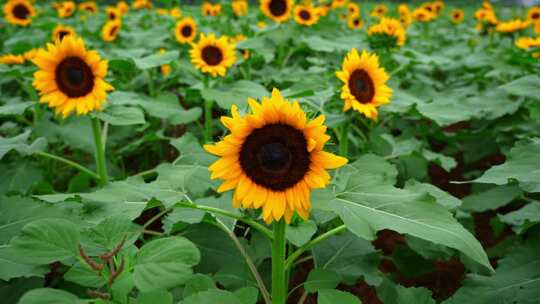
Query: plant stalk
x: 99, y: 152
x: 344, y: 139
x: 279, y: 288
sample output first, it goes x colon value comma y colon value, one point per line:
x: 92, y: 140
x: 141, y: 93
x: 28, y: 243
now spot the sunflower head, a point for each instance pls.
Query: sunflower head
x: 185, y: 30
x: 403, y: 9
x: 273, y: 157
x: 213, y: 55
x: 534, y: 14
x: 457, y: 16
x: 364, y: 83
x: 111, y: 29
x: 142, y: 4
x: 123, y: 7
x: 388, y: 33
x: 175, y: 12
x: 277, y: 10
x: 512, y: 26
x: 353, y: 9
x: 438, y: 6
x: 423, y: 15
x: 240, y: 7
x: 355, y: 22
x: 88, y: 6
x: 379, y: 10
x: 62, y: 31
x: 206, y: 9
x: 338, y: 3
x: 71, y: 78
x: 66, y: 9
x: 19, y: 12
x: 305, y: 15
x: 165, y: 69
x: 113, y: 13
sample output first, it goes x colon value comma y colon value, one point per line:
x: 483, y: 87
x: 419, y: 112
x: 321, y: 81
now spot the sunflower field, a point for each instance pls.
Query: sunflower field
x: 269, y: 152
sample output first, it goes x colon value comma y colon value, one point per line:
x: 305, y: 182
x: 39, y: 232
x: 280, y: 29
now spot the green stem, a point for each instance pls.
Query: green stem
x: 279, y: 288
x: 295, y: 255
x: 207, y: 115
x: 99, y: 152
x: 151, y: 84
x: 69, y: 162
x: 344, y: 139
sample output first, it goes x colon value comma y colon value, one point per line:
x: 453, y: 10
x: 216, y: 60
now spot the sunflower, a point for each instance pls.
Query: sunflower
x: 70, y: 78
x: 305, y: 15
x: 213, y: 55
x: 387, y: 28
x: 406, y: 19
x: 422, y: 15
x: 379, y: 10
x: 88, y: 6
x: 338, y: 3
x: 142, y: 4
x: 110, y: 30
x: 11, y: 59
x: 403, y: 9
x: 66, y: 9
x: 353, y: 9
x: 438, y: 6
x: 277, y: 10
x: 162, y: 11
x: 534, y: 14
x: 322, y: 10
x: 165, y: 69
x: 216, y: 9
x: 355, y: 22
x: 457, y: 16
x: 486, y: 15
x: 61, y: 31
x: 245, y: 53
x: 240, y: 7
x: 273, y: 158
x: 19, y: 12
x: 113, y: 13
x: 261, y: 24
x: 537, y: 27
x: 175, y: 13
x: 185, y: 30
x: 528, y: 42
x: 512, y: 26
x: 123, y: 7
x: 364, y: 87
x: 206, y: 9
x: 428, y: 6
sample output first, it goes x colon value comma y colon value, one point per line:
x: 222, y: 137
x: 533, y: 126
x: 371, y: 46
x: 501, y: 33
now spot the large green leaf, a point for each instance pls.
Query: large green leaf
x: 522, y: 164
x: 527, y: 86
x: 524, y: 218
x: 390, y: 293
x: 165, y: 263
x: 319, y: 278
x: 122, y: 116
x: 19, y: 144
x: 156, y: 60
x: 491, y: 199
x: 235, y: 93
x: 49, y: 296
x: 212, y: 297
x: 332, y: 296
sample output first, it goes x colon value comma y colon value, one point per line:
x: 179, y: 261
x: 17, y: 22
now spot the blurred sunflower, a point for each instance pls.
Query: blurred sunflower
x: 305, y: 15
x: 88, y: 6
x: 537, y: 27
x: 403, y: 9
x: 30, y: 54
x: 428, y: 6
x: 322, y: 10
x: 245, y: 53
x: 405, y: 15
x: 261, y: 24
x: 277, y: 10
x: 527, y: 42
x: 379, y: 10
x: 486, y: 15
x: 534, y: 14
x: 175, y: 13
x: 338, y: 3
x: 389, y: 32
x: 162, y: 11
x: 422, y: 15
x: 364, y: 83
x: 61, y: 31
x: 206, y: 9
x: 216, y: 9
x: 165, y: 69
x: 213, y: 55
x: 109, y: 32
x: 457, y: 16
x: 142, y: 4
x: 19, y: 12
x: 438, y: 6
x: 512, y: 26
x: 123, y: 7
x: 71, y: 78
x: 355, y: 22
x: 185, y: 30
x: 66, y: 9
x: 353, y: 9
x: 240, y: 7
x: 273, y: 158
x: 11, y: 59
x: 113, y: 13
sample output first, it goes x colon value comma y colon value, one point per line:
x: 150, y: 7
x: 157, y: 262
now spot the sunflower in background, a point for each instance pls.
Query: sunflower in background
x: 353, y: 9
x: 113, y: 13
x: 338, y: 3
x: 261, y: 24
x: 111, y: 29
x: 216, y: 9
x: 123, y: 7
x: 438, y: 6
x: 379, y: 10
x: 212, y: 55
x: 240, y: 7
x: 162, y: 11
x: 388, y: 33
x: 277, y: 10
x: 175, y: 12
x: 305, y: 15
x: 142, y: 4
x: 322, y: 10
x: 11, y: 59
x: 206, y: 9
x: 355, y: 22
x: 405, y: 15
x: 273, y: 158
x: 19, y: 12
x: 422, y: 15
x: 528, y: 44
x: 428, y: 6
x: 185, y: 30
x: 457, y: 16
x: 533, y: 14
x: 88, y: 6
x: 70, y: 78
x: 62, y: 31
x: 165, y: 69
x: 239, y: 38
x: 364, y: 83
x: 537, y: 27
x: 512, y: 26
x: 66, y: 9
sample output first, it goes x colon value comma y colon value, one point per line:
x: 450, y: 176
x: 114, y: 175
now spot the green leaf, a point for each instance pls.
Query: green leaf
x: 524, y: 218
x: 156, y: 60
x: 301, y: 233
x: 20, y: 176
x: 522, y: 164
x: 191, y: 152
x: 442, y: 198
x: 212, y: 297
x: 106, y: 235
x: 391, y: 293
x: 247, y: 295
x: 332, y: 296
x: 19, y: 144
x: 156, y: 296
x: 320, y: 278
x: 46, y: 241
x: 165, y: 263
x: 236, y: 93
x: 527, y: 86
x: 491, y: 199
x: 122, y: 116
x: 11, y: 268
x: 198, y: 283
x: 17, y: 108
x: 48, y: 296
x: 83, y: 275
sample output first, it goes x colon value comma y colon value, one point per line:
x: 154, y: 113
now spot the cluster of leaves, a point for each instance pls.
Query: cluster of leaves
x: 159, y: 233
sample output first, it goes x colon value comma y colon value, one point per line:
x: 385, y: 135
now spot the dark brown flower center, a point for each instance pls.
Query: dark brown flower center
x: 356, y: 22
x: 20, y: 11
x: 361, y: 86
x: 62, y: 34
x: 305, y: 15
x: 212, y: 55
x: 275, y: 156
x: 113, y: 31
x: 112, y: 15
x: 278, y: 7
x: 74, y: 77
x: 535, y: 16
x: 186, y: 31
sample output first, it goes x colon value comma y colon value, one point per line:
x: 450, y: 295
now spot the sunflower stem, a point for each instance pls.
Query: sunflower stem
x: 208, y: 132
x: 279, y: 288
x: 151, y: 84
x: 344, y: 139
x: 99, y: 152
x: 69, y: 162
